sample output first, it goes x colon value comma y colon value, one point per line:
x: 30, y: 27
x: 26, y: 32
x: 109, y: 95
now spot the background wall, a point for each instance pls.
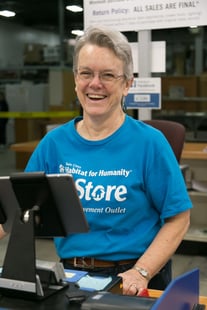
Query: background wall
x: 13, y: 39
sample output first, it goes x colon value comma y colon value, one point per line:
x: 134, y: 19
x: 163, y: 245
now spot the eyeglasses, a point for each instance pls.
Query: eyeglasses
x: 104, y: 77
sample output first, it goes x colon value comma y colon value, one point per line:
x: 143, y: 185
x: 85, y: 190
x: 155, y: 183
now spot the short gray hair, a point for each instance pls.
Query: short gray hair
x: 111, y: 39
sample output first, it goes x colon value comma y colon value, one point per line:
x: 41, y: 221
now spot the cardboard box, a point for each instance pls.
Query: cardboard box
x: 33, y: 53
x: 186, y: 86
x: 51, y: 54
x: 62, y: 89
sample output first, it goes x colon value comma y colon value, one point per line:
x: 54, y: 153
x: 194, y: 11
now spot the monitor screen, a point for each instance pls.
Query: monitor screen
x: 52, y: 198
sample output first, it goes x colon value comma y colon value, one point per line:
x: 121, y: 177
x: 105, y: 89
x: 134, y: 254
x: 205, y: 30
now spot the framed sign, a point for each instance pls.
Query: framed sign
x: 144, y: 93
x: 135, y: 15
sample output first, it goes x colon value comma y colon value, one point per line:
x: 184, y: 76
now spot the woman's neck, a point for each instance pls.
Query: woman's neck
x: 97, y: 129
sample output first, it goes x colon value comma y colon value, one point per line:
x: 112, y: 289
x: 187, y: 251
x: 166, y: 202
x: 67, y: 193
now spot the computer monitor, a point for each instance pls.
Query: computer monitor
x: 54, y: 200
x: 36, y: 204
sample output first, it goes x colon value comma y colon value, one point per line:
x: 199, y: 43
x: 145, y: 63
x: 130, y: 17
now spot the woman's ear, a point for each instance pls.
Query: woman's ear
x: 128, y: 84
x: 75, y: 82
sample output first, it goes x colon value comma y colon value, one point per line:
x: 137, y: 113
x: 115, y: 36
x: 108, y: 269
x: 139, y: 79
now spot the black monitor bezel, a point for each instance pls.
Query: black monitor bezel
x: 52, y: 197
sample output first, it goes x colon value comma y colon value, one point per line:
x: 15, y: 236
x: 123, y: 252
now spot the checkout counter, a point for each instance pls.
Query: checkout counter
x: 192, y: 150
x: 181, y: 294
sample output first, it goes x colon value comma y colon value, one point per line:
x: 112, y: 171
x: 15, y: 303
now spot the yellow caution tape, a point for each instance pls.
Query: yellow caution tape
x: 50, y: 114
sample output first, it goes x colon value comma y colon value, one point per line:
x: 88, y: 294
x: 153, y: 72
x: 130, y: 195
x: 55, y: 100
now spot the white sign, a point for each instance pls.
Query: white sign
x: 158, y: 56
x: 135, y: 15
x: 144, y: 93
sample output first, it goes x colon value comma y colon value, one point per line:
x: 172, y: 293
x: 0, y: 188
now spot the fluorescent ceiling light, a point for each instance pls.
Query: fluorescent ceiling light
x: 77, y: 32
x: 194, y: 29
x: 74, y: 8
x: 7, y: 13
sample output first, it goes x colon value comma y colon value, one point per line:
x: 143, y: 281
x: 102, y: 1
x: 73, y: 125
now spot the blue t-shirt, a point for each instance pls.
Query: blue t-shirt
x: 128, y: 183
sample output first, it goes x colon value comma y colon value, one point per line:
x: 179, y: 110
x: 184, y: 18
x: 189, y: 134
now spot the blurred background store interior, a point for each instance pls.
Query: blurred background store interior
x: 36, y: 76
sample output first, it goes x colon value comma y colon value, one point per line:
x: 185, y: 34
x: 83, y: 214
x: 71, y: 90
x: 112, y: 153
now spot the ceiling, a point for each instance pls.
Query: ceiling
x: 44, y: 14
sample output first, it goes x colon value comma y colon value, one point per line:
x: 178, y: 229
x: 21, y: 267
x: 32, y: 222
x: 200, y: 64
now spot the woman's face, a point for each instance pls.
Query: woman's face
x: 100, y: 81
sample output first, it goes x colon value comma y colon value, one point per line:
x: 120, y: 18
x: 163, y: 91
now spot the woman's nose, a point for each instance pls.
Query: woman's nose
x: 96, y: 79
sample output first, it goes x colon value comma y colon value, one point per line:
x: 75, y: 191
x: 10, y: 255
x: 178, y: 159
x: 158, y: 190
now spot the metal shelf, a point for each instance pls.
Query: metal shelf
x: 197, y: 194
x: 197, y: 233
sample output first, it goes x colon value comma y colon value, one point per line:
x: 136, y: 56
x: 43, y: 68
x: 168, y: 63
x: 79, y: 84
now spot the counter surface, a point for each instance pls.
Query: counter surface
x: 190, y: 151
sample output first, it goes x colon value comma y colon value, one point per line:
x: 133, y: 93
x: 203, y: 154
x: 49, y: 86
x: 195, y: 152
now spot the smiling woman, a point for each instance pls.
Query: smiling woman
x: 100, y: 87
x: 126, y: 175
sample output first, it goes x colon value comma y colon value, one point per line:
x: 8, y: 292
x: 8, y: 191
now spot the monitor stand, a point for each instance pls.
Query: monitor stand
x: 21, y: 277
